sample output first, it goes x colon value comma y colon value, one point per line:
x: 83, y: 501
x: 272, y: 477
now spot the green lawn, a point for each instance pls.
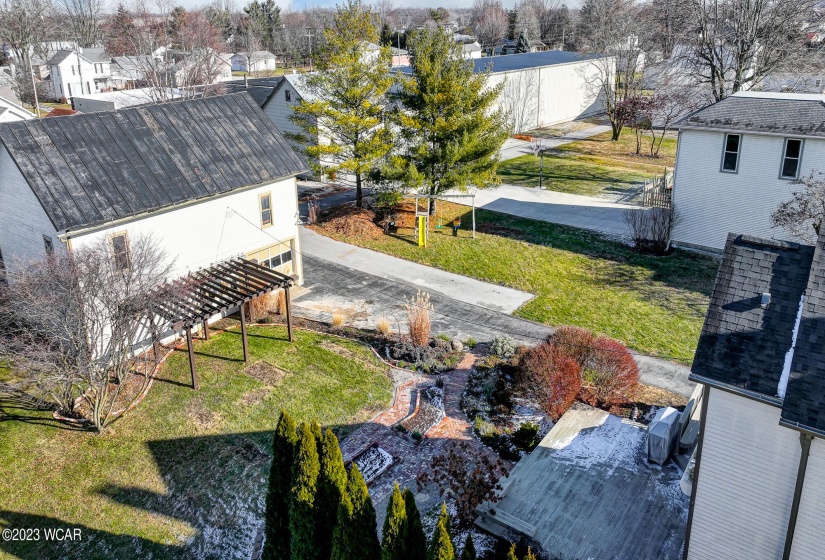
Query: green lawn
x: 654, y: 305
x: 183, y: 475
x: 595, y: 166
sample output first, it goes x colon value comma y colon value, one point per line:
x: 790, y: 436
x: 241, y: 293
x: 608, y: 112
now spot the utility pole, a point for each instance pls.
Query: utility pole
x: 79, y: 65
x: 309, y: 39
x: 34, y: 85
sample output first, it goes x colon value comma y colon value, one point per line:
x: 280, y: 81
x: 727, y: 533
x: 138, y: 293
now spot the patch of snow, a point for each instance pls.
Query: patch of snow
x: 614, y: 444
x: 786, y: 367
x: 373, y: 462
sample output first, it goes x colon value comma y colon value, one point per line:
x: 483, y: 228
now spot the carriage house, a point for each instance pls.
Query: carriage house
x: 210, y: 179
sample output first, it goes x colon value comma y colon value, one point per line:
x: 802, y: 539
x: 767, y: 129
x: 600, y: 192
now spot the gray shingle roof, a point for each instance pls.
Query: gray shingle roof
x: 91, y: 54
x: 98, y: 167
x: 803, y: 116
x: 805, y: 398
x: 260, y: 89
x: 521, y: 61
x: 743, y: 345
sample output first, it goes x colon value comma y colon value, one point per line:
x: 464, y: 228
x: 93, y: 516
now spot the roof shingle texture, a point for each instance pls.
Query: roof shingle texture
x: 805, y: 398
x: 95, y: 168
x: 804, y: 117
x: 742, y: 344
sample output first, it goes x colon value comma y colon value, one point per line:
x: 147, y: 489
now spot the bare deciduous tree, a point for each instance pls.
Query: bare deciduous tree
x: 802, y: 216
x: 651, y: 228
x: 731, y: 45
x: 490, y: 21
x: 75, y: 326
x: 24, y: 26
x: 85, y: 17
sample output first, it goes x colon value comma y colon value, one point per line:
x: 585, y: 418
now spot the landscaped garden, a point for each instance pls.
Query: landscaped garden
x: 184, y: 473
x: 594, y: 166
x: 654, y: 305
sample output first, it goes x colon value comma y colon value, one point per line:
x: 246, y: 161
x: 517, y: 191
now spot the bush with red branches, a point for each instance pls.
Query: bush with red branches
x: 549, y: 375
x: 610, y: 373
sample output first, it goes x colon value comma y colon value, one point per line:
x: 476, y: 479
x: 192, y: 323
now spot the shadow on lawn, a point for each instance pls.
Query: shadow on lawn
x: 18, y: 405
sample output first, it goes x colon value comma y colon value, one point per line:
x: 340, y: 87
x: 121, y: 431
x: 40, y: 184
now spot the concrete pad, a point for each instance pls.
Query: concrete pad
x: 454, y: 286
x: 587, y: 212
x: 513, y: 148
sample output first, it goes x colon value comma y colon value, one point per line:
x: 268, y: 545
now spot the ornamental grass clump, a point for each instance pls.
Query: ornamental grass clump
x: 419, y: 322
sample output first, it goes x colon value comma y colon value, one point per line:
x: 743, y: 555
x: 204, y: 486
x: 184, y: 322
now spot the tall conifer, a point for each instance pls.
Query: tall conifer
x: 416, y: 540
x: 280, y: 483
x: 332, y: 485
x: 441, y: 546
x: 395, y: 528
x: 356, y: 535
x: 469, y: 552
x: 302, y: 520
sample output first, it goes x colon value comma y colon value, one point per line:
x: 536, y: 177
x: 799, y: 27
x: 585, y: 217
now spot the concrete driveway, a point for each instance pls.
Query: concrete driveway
x: 513, y: 147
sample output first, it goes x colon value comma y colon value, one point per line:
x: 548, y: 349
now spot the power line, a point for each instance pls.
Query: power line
x: 461, y: 319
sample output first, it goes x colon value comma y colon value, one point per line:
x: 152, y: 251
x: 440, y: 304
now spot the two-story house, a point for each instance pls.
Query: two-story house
x: 758, y: 487
x: 737, y: 161
x: 79, y: 71
x: 209, y: 179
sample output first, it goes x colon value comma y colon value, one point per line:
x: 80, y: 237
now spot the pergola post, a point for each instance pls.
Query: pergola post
x: 474, y: 216
x: 206, y: 330
x: 191, y: 358
x: 243, y: 333
x: 288, y: 314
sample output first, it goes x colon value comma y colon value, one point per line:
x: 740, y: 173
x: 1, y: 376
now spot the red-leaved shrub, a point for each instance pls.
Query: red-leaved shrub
x: 549, y: 375
x: 575, y: 342
x: 610, y: 374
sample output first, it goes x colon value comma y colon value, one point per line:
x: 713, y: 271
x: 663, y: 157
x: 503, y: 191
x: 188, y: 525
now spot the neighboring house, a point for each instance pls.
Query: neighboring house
x: 279, y: 107
x: 400, y: 57
x: 130, y: 71
x: 796, y: 82
x: 737, y: 160
x: 758, y: 487
x: 78, y: 71
x: 224, y: 67
x: 254, y: 61
x: 114, y: 100
x: 544, y: 88
x: 209, y: 179
x: 10, y: 109
x: 472, y: 49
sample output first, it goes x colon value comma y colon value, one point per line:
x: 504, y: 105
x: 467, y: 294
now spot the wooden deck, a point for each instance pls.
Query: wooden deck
x: 587, y: 492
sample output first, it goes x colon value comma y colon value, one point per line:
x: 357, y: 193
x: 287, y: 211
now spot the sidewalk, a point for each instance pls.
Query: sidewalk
x: 514, y: 148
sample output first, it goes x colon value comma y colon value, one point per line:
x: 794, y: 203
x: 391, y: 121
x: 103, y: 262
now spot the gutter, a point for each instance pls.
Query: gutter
x: 789, y: 134
x: 753, y: 395
x: 68, y: 234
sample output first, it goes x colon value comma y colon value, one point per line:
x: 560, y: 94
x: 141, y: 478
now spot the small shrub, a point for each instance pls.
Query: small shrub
x: 401, y: 428
x: 416, y: 435
x: 402, y: 364
x: 484, y: 428
x: 337, y: 320
x: 503, y: 346
x: 546, y: 373
x: 471, y: 342
x: 610, y: 373
x: 280, y: 302
x: 257, y: 308
x: 382, y: 325
x: 439, y: 382
x: 651, y: 229
x: 443, y: 345
x: 418, y: 318
x: 426, y: 368
x: 575, y: 342
x: 443, y: 336
x: 525, y: 437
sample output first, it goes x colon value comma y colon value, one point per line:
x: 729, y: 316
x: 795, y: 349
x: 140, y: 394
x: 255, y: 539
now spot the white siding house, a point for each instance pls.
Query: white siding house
x: 209, y: 179
x: 253, y: 62
x: 758, y: 479
x: 79, y: 71
x: 737, y: 160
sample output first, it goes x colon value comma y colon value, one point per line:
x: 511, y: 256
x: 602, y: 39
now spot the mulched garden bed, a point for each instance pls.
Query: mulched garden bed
x: 372, y: 462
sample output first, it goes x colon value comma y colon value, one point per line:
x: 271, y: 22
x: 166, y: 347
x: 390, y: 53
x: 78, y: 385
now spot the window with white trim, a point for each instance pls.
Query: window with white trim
x: 48, y: 244
x: 791, y: 156
x: 265, y: 203
x: 730, y: 156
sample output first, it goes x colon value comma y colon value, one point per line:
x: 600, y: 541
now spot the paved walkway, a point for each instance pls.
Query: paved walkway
x: 456, y: 286
x: 514, y: 148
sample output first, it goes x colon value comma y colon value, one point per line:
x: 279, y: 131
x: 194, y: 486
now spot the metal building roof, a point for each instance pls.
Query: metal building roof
x: 96, y: 168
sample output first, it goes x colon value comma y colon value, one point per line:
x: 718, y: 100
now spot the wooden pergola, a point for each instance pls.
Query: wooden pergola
x: 221, y: 288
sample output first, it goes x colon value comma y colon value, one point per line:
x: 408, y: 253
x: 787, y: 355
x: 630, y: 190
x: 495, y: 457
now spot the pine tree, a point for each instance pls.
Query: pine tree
x: 302, y: 520
x: 356, y: 535
x: 280, y: 483
x: 444, y: 518
x: 512, y: 554
x: 350, y: 101
x: 332, y: 486
x: 530, y: 555
x: 441, y: 546
x: 319, y: 436
x: 451, y: 132
x: 395, y: 528
x: 469, y: 552
x: 416, y: 540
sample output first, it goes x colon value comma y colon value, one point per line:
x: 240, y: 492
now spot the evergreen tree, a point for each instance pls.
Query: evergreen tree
x: 176, y: 24
x: 469, y: 552
x: 120, y: 39
x: 512, y: 554
x: 356, y: 536
x: 302, y: 520
x: 444, y: 518
x: 530, y: 555
x: 395, y: 528
x: 441, y: 546
x: 350, y: 101
x: 451, y: 132
x: 262, y: 22
x: 332, y: 486
x: 280, y: 483
x: 416, y: 540
x: 319, y: 437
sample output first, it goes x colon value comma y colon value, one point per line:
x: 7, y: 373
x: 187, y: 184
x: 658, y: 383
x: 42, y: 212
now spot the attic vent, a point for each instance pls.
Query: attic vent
x: 766, y: 300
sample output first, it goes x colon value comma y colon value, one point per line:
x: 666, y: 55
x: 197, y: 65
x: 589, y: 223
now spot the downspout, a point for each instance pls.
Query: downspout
x: 805, y: 440
x: 702, y: 423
